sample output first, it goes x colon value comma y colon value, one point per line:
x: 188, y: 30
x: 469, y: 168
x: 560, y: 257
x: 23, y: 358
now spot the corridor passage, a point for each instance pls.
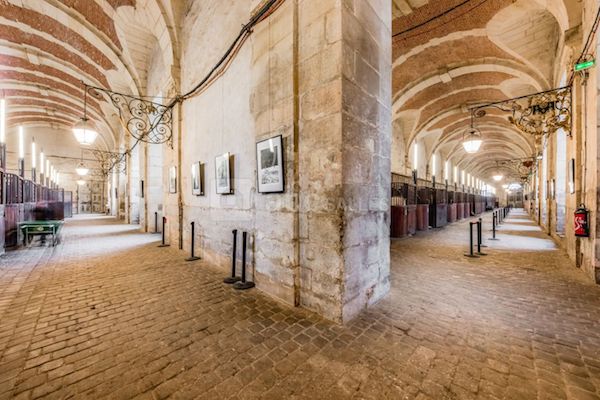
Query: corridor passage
x: 108, y: 314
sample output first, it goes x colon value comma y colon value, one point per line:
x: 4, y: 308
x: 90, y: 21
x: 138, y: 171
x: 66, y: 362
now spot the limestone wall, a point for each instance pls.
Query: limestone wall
x: 318, y: 74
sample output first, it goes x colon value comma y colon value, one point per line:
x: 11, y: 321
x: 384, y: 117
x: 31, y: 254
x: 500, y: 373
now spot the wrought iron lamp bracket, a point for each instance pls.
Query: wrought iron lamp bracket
x: 145, y: 120
x: 538, y: 114
x: 110, y: 161
x: 521, y: 166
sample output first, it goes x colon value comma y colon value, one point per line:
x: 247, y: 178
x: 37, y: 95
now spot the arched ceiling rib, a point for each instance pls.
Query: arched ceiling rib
x: 48, y: 47
x: 481, y: 51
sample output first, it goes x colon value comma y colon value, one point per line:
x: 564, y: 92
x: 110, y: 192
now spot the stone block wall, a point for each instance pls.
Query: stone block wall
x: 319, y: 75
x: 345, y: 139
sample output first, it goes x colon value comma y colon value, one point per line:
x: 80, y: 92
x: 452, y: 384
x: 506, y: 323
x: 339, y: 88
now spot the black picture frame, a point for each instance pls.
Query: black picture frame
x: 270, y: 165
x: 223, y: 174
x: 197, y: 178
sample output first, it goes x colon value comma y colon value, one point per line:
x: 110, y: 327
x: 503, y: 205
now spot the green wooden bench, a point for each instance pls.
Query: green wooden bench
x: 33, y: 228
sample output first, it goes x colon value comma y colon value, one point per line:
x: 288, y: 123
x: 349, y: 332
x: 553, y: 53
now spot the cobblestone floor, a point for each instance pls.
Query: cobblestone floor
x: 107, y: 314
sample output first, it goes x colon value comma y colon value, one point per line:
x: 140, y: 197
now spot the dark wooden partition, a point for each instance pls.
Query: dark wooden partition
x: 19, y: 201
x: 418, y: 206
x: 440, y: 200
x: 14, y: 211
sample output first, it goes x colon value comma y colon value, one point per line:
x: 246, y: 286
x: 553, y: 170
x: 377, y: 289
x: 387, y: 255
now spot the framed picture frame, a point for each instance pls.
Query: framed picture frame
x: 269, y: 165
x: 223, y: 174
x: 173, y: 179
x: 197, y: 179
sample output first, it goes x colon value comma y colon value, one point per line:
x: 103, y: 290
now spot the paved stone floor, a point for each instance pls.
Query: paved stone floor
x: 107, y: 314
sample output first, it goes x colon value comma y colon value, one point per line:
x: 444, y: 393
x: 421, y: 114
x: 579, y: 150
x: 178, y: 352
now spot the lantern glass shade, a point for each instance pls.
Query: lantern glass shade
x: 85, y: 132
x: 81, y: 170
x: 498, y: 177
x: 472, y: 145
x: 472, y: 141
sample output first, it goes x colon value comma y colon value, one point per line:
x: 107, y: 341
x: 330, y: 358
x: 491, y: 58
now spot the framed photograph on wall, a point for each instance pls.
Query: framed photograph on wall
x: 198, y: 179
x: 269, y: 165
x: 223, y: 174
x: 173, y: 179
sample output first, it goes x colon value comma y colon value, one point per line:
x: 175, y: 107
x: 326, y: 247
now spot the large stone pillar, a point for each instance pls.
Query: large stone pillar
x: 344, y: 139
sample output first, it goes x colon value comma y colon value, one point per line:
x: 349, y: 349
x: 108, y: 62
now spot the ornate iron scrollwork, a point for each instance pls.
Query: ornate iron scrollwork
x: 145, y: 120
x: 110, y: 162
x: 521, y: 167
x: 538, y: 114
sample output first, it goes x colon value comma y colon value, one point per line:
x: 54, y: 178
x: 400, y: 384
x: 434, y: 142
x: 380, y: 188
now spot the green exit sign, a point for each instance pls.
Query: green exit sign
x: 584, y: 65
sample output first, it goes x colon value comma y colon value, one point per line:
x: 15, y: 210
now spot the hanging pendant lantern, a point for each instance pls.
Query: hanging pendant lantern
x: 472, y: 141
x: 81, y: 169
x: 472, y: 138
x: 85, y: 130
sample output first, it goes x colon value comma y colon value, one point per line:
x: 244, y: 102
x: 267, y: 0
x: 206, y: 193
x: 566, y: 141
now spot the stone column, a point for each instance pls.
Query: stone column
x: 344, y: 93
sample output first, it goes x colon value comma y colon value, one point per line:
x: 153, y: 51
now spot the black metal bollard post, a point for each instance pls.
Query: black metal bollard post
x: 233, y: 279
x: 192, y: 257
x: 494, y: 221
x: 470, y: 253
x: 155, y: 222
x: 479, y: 252
x: 163, y: 244
x: 243, y: 284
x: 480, y: 233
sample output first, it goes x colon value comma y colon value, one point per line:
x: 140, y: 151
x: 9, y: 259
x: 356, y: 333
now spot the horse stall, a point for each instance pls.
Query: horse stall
x: 411, y: 209
x: 399, y: 215
x: 490, y: 203
x: 2, y: 229
x: 460, y: 205
x: 56, y: 204
x: 2, y: 201
x: 438, y: 208
x: 451, y: 196
x: 479, y: 204
x: 424, y: 195
x: 14, y: 210
x: 26, y: 201
x: 29, y: 200
x: 470, y: 205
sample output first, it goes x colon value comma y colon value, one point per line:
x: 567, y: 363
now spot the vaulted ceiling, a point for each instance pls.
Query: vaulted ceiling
x: 453, y: 54
x: 49, y: 47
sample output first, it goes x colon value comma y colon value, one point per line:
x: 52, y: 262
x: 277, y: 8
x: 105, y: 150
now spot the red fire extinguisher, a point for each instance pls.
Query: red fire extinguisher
x: 582, y: 228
